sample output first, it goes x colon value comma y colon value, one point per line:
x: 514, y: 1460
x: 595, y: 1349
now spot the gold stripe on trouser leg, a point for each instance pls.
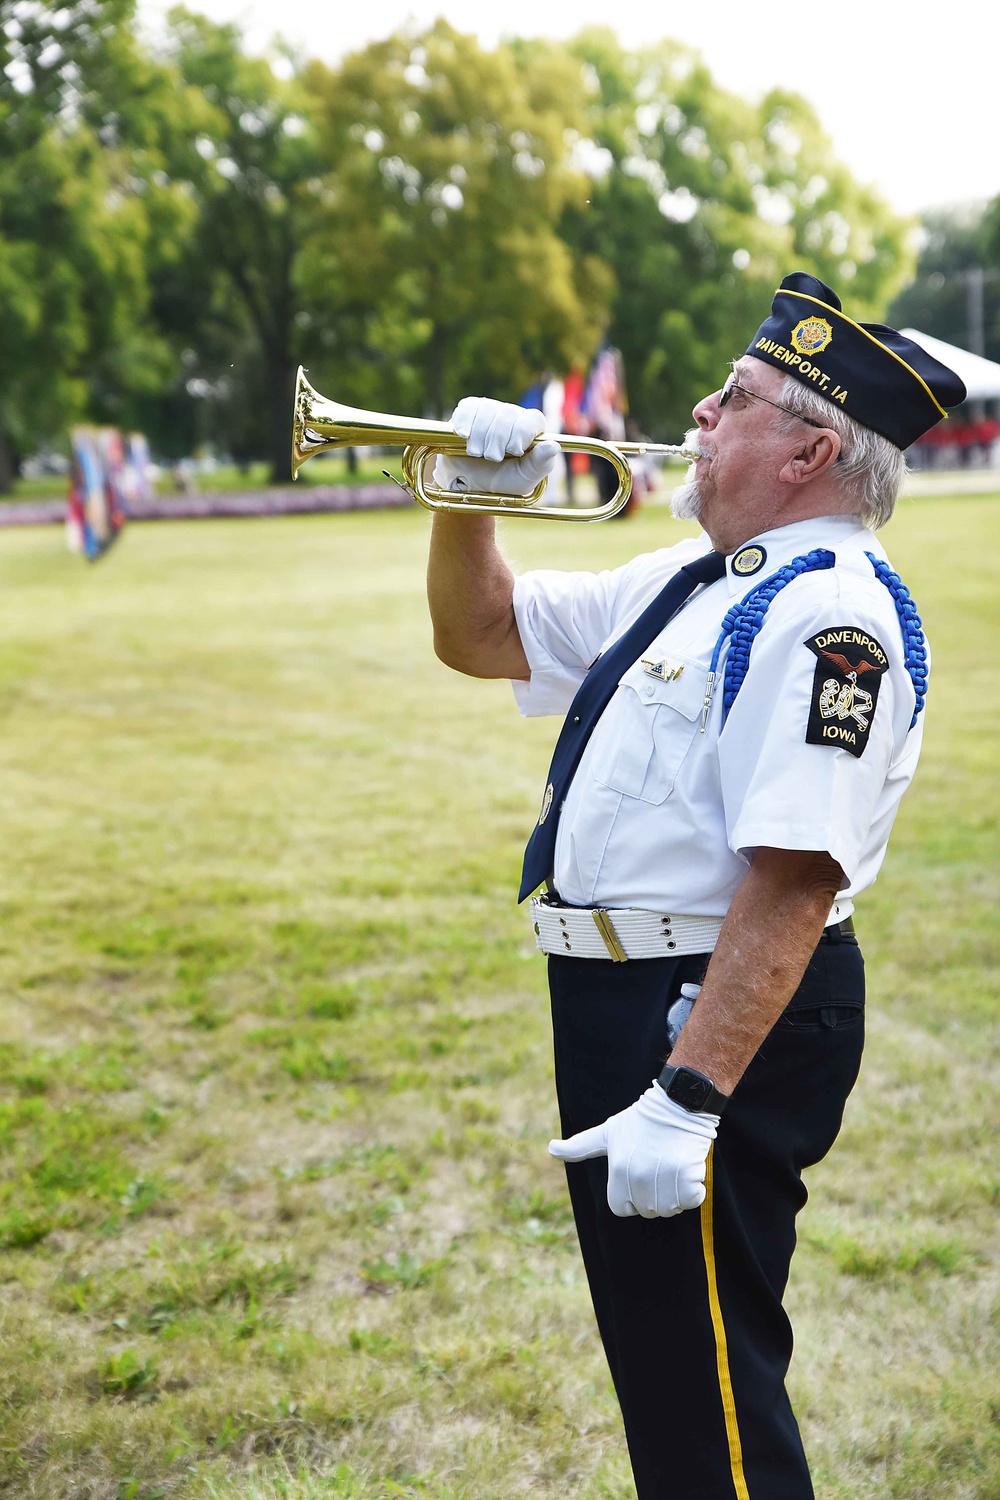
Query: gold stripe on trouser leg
x: 721, y: 1350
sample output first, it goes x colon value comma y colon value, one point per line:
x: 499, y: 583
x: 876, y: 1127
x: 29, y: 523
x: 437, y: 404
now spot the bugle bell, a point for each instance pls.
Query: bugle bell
x: 320, y: 425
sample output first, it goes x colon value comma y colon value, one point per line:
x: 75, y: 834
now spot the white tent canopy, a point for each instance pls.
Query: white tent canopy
x: 981, y: 376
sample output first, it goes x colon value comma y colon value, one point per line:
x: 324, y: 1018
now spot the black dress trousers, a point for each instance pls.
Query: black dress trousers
x: 689, y: 1308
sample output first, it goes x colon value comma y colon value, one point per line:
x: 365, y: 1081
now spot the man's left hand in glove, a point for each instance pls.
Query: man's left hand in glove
x: 657, y: 1152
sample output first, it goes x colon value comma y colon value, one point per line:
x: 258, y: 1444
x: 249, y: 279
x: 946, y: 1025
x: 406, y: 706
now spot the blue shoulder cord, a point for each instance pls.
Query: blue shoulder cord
x: 914, y: 640
x: 743, y: 621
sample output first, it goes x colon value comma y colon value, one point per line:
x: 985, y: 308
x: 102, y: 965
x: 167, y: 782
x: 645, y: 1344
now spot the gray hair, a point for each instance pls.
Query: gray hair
x: 871, y: 469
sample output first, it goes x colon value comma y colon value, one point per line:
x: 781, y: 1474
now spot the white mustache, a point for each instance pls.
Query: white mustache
x: 693, y: 443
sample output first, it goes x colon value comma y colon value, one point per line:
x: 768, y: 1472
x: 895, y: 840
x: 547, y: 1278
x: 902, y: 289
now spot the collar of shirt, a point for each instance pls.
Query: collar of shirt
x: 844, y: 535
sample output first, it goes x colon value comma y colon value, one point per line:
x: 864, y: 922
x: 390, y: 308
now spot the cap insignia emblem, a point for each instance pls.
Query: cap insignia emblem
x: 811, y: 335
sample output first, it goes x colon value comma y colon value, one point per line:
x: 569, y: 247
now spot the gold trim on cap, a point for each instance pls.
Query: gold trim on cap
x: 806, y: 297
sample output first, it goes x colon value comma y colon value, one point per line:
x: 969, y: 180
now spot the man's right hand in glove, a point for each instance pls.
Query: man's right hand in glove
x: 501, y: 460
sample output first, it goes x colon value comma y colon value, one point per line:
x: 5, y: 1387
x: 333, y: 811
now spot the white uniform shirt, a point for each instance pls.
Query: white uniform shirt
x: 662, y: 816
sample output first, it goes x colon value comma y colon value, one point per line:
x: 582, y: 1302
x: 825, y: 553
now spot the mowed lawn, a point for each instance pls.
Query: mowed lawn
x: 277, y: 1213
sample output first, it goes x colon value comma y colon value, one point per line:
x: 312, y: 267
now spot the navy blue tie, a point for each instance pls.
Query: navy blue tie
x: 592, y: 698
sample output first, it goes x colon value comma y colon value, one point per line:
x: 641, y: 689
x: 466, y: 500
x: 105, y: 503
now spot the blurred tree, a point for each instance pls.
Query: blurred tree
x: 957, y: 241
x: 86, y: 214
x: 234, y: 300
x: 701, y: 202
x: 451, y: 167
x: 179, y: 228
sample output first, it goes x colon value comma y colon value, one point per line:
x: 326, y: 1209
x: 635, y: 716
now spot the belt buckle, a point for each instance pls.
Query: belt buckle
x: 605, y: 926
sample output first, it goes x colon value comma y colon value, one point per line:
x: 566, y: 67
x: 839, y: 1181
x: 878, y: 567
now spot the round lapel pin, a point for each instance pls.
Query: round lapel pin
x: 749, y: 560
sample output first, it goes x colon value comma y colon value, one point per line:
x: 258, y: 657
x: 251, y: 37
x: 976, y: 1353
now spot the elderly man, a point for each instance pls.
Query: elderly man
x: 743, y: 714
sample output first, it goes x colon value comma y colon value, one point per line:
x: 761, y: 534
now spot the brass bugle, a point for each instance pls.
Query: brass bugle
x: 321, y: 425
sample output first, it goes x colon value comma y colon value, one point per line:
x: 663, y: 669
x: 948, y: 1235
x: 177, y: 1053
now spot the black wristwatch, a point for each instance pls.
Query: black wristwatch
x: 691, y: 1090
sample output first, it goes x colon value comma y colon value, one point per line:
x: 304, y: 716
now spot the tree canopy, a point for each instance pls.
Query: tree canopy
x: 451, y: 169
x: 701, y: 203
x: 181, y: 222
x: 87, y: 217
x: 961, y: 245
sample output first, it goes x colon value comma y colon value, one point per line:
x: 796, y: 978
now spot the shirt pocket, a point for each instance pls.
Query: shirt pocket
x: 648, y: 729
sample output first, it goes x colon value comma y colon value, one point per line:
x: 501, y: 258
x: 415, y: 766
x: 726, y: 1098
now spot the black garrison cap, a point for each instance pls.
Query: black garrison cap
x: 881, y: 379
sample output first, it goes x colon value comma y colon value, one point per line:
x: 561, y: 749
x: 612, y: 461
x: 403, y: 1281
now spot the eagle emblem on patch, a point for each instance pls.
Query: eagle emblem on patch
x: 849, y: 668
x: 811, y: 336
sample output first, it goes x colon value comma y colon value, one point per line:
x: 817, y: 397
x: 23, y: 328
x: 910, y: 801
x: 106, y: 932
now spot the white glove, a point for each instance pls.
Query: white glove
x: 656, y: 1155
x: 498, y: 437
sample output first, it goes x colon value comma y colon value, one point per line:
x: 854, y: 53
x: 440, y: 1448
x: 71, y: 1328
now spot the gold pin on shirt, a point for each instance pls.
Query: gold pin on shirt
x: 665, y: 669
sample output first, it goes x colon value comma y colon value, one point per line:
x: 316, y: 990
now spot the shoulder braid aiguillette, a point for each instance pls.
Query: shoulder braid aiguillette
x: 743, y: 622
x: 914, y: 640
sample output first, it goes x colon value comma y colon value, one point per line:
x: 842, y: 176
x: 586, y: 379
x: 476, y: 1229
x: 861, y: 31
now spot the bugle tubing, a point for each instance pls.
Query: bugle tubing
x: 320, y: 425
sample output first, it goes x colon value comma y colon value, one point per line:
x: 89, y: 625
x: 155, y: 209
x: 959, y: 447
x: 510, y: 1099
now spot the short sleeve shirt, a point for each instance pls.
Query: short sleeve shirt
x: 667, y: 806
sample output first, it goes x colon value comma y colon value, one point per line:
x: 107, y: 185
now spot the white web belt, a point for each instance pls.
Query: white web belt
x: 620, y: 933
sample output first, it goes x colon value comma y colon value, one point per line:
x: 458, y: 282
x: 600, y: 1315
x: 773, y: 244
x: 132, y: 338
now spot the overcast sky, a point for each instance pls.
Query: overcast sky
x: 908, y: 91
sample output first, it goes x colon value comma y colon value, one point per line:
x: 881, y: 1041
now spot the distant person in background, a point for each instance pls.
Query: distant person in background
x: 547, y: 395
x: 604, y: 405
x: 184, y: 476
x: 964, y: 437
x: 576, y: 424
x: 987, y: 432
x: 644, y: 469
x: 553, y: 402
x: 923, y: 453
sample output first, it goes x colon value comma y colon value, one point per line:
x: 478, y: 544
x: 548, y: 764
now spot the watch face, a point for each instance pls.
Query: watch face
x: 688, y: 1090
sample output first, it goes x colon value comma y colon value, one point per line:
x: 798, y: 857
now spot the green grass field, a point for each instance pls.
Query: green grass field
x: 276, y: 1209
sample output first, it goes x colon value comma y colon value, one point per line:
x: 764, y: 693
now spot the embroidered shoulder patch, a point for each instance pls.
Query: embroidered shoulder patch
x: 849, y: 668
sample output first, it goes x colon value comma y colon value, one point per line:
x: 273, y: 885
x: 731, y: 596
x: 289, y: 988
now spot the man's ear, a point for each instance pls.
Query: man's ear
x: 817, y: 453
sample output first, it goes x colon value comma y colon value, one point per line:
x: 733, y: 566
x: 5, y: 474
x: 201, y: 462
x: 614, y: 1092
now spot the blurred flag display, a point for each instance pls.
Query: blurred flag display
x: 605, y: 402
x: 109, y: 471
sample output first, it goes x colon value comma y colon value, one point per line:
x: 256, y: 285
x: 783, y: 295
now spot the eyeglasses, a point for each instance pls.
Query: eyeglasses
x: 732, y: 384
